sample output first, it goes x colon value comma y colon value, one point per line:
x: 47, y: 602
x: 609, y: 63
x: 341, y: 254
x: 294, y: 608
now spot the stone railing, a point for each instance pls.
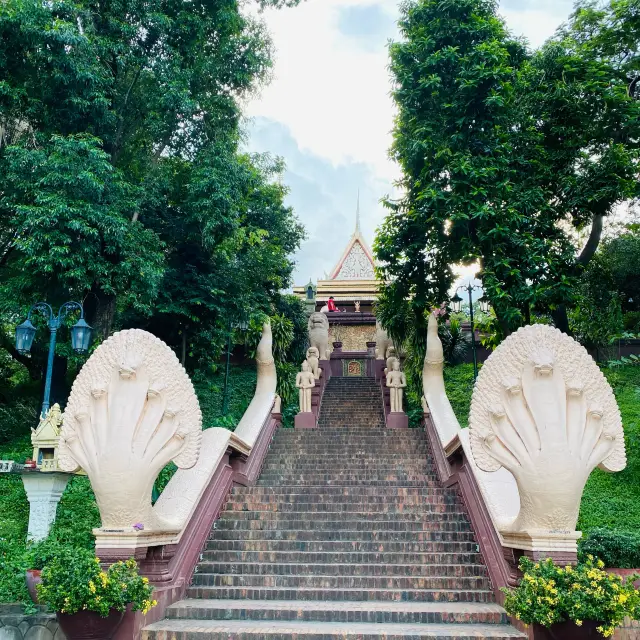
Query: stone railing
x: 133, y: 409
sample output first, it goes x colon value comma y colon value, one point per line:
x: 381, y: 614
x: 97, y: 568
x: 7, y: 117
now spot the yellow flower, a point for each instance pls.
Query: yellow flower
x: 103, y: 578
x: 600, y: 564
x: 579, y: 623
x: 622, y: 598
x: 145, y: 580
x: 92, y: 587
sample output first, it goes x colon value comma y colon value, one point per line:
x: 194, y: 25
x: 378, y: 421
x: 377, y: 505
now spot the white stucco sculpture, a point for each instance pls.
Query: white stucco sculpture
x: 542, y: 409
x: 396, y: 381
x: 305, y: 381
x: 131, y: 411
x: 313, y: 359
x: 383, y: 342
x: 318, y: 327
x: 391, y: 358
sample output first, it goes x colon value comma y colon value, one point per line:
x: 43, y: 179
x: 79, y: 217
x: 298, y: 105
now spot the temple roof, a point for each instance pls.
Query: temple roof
x: 357, y: 262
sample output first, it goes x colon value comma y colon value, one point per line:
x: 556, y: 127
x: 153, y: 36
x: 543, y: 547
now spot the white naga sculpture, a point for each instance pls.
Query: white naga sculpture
x: 396, y: 381
x: 313, y: 358
x: 131, y: 411
x: 382, y: 342
x: 305, y: 381
x: 543, y: 410
x: 318, y: 327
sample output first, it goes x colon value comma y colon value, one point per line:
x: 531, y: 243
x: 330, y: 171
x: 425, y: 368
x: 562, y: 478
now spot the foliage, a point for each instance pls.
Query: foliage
x: 633, y: 359
x: 549, y: 594
x: 73, y: 581
x: 619, y: 549
x: 597, y: 315
x: 612, y: 500
x: 122, y: 182
x: 458, y: 382
x: 455, y: 342
x: 621, y: 256
x: 501, y: 147
x: 491, y: 333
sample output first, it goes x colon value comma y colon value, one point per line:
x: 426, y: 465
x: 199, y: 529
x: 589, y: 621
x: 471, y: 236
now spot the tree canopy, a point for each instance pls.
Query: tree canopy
x: 122, y: 179
x: 503, y: 150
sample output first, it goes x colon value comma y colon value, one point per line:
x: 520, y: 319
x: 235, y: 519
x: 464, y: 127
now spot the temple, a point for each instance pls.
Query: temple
x: 354, y: 288
x: 352, y: 281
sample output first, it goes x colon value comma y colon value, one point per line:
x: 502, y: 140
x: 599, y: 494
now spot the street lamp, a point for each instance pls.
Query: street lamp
x: 456, y: 303
x: 80, y: 338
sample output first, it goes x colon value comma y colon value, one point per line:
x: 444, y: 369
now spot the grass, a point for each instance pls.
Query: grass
x: 610, y: 500
x: 77, y: 512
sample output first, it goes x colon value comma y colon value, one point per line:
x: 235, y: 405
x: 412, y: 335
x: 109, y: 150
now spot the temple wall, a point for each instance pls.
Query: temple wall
x: 354, y: 337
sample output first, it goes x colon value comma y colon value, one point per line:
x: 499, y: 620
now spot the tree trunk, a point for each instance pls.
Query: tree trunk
x: 561, y: 319
x: 100, y: 309
x: 594, y: 240
x: 183, y: 358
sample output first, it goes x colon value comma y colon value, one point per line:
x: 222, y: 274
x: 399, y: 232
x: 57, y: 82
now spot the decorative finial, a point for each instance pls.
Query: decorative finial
x: 358, y: 213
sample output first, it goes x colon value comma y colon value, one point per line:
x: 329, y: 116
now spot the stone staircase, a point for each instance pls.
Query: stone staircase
x: 346, y: 535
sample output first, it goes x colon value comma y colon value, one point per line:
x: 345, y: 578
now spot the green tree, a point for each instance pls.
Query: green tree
x: 121, y: 179
x: 500, y: 149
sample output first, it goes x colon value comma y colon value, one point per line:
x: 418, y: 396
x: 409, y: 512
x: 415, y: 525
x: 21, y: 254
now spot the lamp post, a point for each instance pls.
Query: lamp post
x: 456, y: 303
x: 80, y: 337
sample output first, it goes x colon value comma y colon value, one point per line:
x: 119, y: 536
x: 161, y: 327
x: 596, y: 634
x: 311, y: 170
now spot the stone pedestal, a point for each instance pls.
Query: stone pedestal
x: 44, y: 491
x: 305, y: 421
x: 561, y: 546
x: 397, y: 420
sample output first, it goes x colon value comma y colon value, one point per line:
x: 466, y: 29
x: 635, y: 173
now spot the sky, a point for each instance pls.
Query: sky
x: 328, y: 113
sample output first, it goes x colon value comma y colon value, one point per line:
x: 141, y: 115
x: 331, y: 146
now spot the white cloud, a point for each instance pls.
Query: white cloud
x: 330, y: 94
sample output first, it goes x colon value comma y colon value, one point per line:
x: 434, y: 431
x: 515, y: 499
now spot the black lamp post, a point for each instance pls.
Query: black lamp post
x: 456, y: 303
x: 80, y: 337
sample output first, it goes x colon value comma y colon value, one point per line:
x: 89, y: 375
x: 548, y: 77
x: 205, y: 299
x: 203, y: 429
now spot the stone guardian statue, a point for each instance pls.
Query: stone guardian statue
x: 396, y: 381
x: 305, y: 381
x: 318, y: 327
x: 313, y: 358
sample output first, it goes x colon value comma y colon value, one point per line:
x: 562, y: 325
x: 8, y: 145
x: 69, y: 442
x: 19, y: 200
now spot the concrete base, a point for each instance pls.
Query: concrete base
x: 44, y: 491
x: 560, y: 546
x: 397, y: 421
x: 305, y: 421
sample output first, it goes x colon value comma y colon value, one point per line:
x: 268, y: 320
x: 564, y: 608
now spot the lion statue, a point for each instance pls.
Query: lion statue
x: 319, y: 334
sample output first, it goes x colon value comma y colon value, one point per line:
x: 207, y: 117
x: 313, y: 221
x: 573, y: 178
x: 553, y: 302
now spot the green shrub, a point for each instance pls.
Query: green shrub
x: 74, y: 581
x: 619, y: 549
x: 548, y: 594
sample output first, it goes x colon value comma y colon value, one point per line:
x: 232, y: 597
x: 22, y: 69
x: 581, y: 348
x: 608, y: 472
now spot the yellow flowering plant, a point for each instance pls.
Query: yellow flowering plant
x: 549, y: 594
x: 74, y: 581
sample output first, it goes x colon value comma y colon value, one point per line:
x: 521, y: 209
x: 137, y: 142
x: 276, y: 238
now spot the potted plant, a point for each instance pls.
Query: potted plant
x: 90, y: 602
x: 571, y: 603
x: 37, y: 556
x: 619, y: 550
x: 337, y: 331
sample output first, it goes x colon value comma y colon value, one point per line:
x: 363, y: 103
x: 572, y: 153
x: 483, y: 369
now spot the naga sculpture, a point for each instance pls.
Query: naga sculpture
x: 383, y: 342
x: 543, y: 410
x: 131, y: 411
x: 318, y: 327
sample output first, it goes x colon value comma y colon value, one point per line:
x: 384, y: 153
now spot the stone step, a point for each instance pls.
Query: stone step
x: 331, y: 493
x: 322, y: 502
x: 342, y: 534
x: 365, y: 524
x: 342, y: 594
x: 349, y: 567
x: 369, y: 612
x: 330, y: 511
x: 341, y: 557
x: 320, y: 581
x: 271, y: 548
x: 249, y: 630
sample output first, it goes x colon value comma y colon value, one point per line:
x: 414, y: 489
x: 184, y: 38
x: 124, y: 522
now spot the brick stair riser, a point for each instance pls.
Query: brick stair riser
x: 448, y: 551
x: 377, y: 617
x: 333, y: 493
x: 341, y: 535
x: 306, y: 463
x: 388, y: 557
x: 261, y: 502
x: 348, y: 595
x: 426, y: 510
x: 365, y: 524
x: 346, y: 569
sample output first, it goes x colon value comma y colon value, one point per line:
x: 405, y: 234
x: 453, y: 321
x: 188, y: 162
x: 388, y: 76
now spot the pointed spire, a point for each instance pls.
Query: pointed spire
x: 358, y: 214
